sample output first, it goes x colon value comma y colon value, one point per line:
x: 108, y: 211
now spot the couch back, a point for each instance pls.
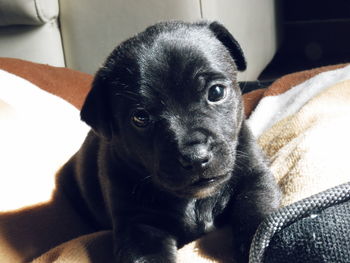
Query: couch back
x: 80, y: 34
x: 29, y: 30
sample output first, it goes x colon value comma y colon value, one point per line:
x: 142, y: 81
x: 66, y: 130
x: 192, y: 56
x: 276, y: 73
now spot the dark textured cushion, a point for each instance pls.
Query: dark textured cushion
x: 315, y: 229
x: 322, y: 237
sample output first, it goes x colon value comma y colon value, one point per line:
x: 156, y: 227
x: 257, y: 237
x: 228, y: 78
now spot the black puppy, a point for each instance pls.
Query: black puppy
x: 170, y: 156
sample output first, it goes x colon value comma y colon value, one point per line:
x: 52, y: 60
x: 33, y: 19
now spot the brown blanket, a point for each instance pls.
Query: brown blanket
x: 52, y: 232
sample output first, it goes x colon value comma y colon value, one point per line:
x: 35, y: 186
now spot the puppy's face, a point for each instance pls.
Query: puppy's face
x: 169, y: 105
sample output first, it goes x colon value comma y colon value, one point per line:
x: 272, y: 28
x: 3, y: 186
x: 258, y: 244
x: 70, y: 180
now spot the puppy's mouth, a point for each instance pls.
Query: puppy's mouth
x: 202, y: 187
x: 204, y: 182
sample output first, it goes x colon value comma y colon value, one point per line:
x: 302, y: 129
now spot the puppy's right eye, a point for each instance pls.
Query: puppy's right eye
x: 140, y: 118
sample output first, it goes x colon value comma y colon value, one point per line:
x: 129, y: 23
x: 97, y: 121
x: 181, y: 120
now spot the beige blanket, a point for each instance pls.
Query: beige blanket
x: 309, y: 150
x: 302, y: 127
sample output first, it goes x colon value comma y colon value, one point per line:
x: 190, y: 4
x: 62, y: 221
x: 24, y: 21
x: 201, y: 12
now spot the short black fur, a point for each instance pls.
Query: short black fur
x: 163, y: 165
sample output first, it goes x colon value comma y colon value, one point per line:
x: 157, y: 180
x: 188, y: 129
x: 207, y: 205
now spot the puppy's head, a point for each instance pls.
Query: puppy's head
x: 168, y: 103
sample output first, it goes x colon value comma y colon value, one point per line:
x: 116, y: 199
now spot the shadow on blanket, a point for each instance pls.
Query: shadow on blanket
x: 29, y: 232
x: 52, y: 231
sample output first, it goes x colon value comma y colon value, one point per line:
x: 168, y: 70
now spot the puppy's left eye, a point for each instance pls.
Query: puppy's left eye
x: 216, y: 93
x: 140, y: 118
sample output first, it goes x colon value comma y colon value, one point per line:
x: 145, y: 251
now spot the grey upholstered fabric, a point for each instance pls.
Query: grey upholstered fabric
x: 27, y: 12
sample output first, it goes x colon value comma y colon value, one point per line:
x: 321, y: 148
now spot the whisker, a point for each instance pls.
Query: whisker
x: 136, y: 186
x: 146, y: 178
x: 242, y: 154
x: 243, y: 85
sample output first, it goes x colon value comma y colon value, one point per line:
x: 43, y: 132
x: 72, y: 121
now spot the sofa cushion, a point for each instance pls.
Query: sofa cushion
x: 27, y: 12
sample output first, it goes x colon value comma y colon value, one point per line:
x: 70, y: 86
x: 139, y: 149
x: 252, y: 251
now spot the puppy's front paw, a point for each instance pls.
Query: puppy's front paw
x: 243, y: 256
x: 152, y: 258
x: 144, y: 244
x: 157, y: 259
x: 241, y: 252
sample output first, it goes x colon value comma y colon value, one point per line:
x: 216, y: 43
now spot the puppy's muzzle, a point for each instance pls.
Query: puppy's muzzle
x: 196, y: 157
x: 195, y: 152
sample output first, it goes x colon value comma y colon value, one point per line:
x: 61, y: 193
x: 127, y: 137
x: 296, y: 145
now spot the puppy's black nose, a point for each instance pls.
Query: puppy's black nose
x: 196, y: 157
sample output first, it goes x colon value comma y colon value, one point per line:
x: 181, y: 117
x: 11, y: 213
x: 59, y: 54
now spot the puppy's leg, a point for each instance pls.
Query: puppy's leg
x: 254, y: 202
x: 142, y: 243
x: 257, y: 193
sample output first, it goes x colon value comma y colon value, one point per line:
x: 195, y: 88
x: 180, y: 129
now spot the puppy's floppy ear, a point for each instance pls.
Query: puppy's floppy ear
x: 95, y: 111
x: 230, y: 43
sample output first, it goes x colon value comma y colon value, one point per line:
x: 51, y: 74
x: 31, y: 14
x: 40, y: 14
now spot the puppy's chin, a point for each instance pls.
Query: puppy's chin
x: 199, y: 189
